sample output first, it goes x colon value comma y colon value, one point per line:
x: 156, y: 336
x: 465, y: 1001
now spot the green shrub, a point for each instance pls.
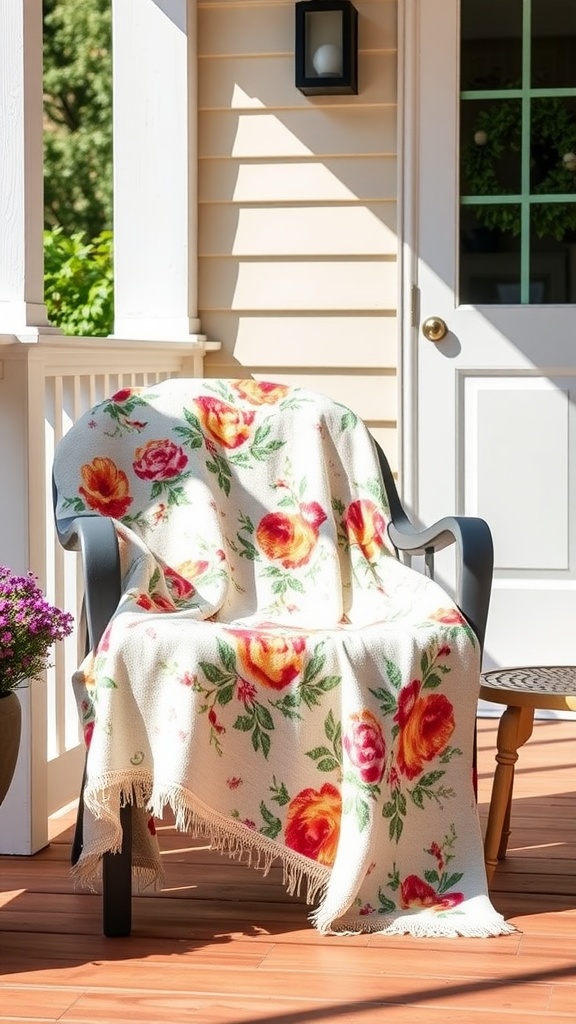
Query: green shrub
x: 79, y: 283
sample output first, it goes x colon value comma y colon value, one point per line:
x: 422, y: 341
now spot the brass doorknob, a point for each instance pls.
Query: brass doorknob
x: 434, y: 328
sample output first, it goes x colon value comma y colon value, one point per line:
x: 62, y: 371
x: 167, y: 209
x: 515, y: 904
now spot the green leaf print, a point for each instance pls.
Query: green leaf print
x: 263, y: 716
x: 424, y: 790
x: 395, y: 810
x: 273, y: 825
x: 279, y: 792
x: 316, y: 663
x: 222, y: 471
x: 349, y: 419
x: 245, y: 723
x: 385, y: 904
x: 225, y: 694
x: 213, y: 673
x: 388, y: 701
x: 261, y: 741
x: 394, y: 673
x: 227, y: 655
x: 359, y: 807
x: 449, y: 753
x: 376, y: 490
x: 106, y: 683
x: 192, y: 436
x: 74, y: 503
x: 246, y: 523
x: 329, y: 760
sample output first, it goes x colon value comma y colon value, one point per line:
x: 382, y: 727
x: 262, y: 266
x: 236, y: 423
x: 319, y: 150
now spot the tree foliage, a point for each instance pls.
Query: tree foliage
x: 78, y: 116
x: 78, y: 282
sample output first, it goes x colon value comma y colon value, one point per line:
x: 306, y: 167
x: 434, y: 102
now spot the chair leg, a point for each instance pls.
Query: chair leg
x: 514, y: 730
x: 117, y: 883
x: 78, y: 840
x: 503, y: 847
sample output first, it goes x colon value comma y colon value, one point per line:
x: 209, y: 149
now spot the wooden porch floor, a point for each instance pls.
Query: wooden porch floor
x: 222, y: 945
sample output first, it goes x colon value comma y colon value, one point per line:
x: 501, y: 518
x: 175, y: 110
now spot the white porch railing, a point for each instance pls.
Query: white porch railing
x: 44, y: 388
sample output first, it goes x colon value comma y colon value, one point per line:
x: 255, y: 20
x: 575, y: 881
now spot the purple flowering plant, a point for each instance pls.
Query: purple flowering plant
x: 29, y: 626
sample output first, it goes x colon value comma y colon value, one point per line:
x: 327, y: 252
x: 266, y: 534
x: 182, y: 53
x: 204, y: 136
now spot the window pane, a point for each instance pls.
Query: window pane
x: 553, y: 44
x: 553, y: 146
x: 490, y: 134
x: 491, y: 55
x: 490, y: 254
x: 553, y: 252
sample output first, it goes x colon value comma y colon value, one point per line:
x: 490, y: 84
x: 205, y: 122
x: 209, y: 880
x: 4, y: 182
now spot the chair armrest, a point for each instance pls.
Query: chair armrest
x: 95, y: 538
x: 475, y: 560
x: 473, y: 539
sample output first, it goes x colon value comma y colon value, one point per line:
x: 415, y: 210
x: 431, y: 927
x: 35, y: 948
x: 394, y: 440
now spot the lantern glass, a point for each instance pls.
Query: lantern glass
x: 326, y: 47
x: 324, y: 32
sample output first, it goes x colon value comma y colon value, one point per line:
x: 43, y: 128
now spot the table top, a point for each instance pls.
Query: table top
x: 541, y: 686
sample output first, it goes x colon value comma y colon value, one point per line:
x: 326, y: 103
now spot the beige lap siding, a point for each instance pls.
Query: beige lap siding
x: 298, y: 251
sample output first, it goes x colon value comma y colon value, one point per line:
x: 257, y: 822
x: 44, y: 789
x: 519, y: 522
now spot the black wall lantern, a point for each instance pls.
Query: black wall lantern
x: 326, y: 47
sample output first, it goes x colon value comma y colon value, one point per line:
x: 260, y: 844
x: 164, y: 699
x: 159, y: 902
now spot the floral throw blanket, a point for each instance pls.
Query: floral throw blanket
x: 272, y: 672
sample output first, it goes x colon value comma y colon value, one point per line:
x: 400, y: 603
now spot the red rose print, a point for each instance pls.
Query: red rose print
x: 180, y: 588
x: 124, y: 394
x: 415, y: 892
x: 155, y: 602
x: 159, y: 460
x: 364, y: 744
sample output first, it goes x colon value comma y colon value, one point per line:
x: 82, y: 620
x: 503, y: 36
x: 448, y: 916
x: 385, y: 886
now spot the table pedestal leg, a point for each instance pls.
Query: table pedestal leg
x: 514, y: 730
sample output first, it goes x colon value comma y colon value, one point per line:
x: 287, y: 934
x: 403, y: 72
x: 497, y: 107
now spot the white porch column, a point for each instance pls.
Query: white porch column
x: 22, y: 309
x: 23, y: 824
x: 155, y: 181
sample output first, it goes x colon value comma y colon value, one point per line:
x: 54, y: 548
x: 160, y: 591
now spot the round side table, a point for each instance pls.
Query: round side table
x: 522, y: 690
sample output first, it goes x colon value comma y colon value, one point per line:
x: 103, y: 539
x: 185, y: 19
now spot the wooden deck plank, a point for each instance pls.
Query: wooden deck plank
x: 224, y: 945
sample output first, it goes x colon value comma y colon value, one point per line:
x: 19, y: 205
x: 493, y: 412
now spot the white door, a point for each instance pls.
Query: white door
x: 491, y: 85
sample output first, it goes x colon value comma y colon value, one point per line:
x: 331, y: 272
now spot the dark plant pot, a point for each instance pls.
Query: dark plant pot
x: 10, y: 729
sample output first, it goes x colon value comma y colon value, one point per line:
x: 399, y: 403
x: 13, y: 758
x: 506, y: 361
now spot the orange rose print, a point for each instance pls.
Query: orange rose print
x: 259, y: 392
x: 105, y: 488
x: 426, y: 725
x: 415, y: 892
x: 191, y: 570
x: 290, y: 538
x: 448, y: 616
x: 159, y: 460
x: 228, y: 426
x: 366, y: 527
x: 364, y: 744
x: 273, y: 661
x: 313, y: 823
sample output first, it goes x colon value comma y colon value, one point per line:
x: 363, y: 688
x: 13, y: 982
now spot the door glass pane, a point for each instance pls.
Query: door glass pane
x: 490, y: 147
x: 553, y: 253
x: 518, y: 151
x: 491, y: 55
x: 490, y: 254
x: 553, y: 44
x: 553, y: 145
